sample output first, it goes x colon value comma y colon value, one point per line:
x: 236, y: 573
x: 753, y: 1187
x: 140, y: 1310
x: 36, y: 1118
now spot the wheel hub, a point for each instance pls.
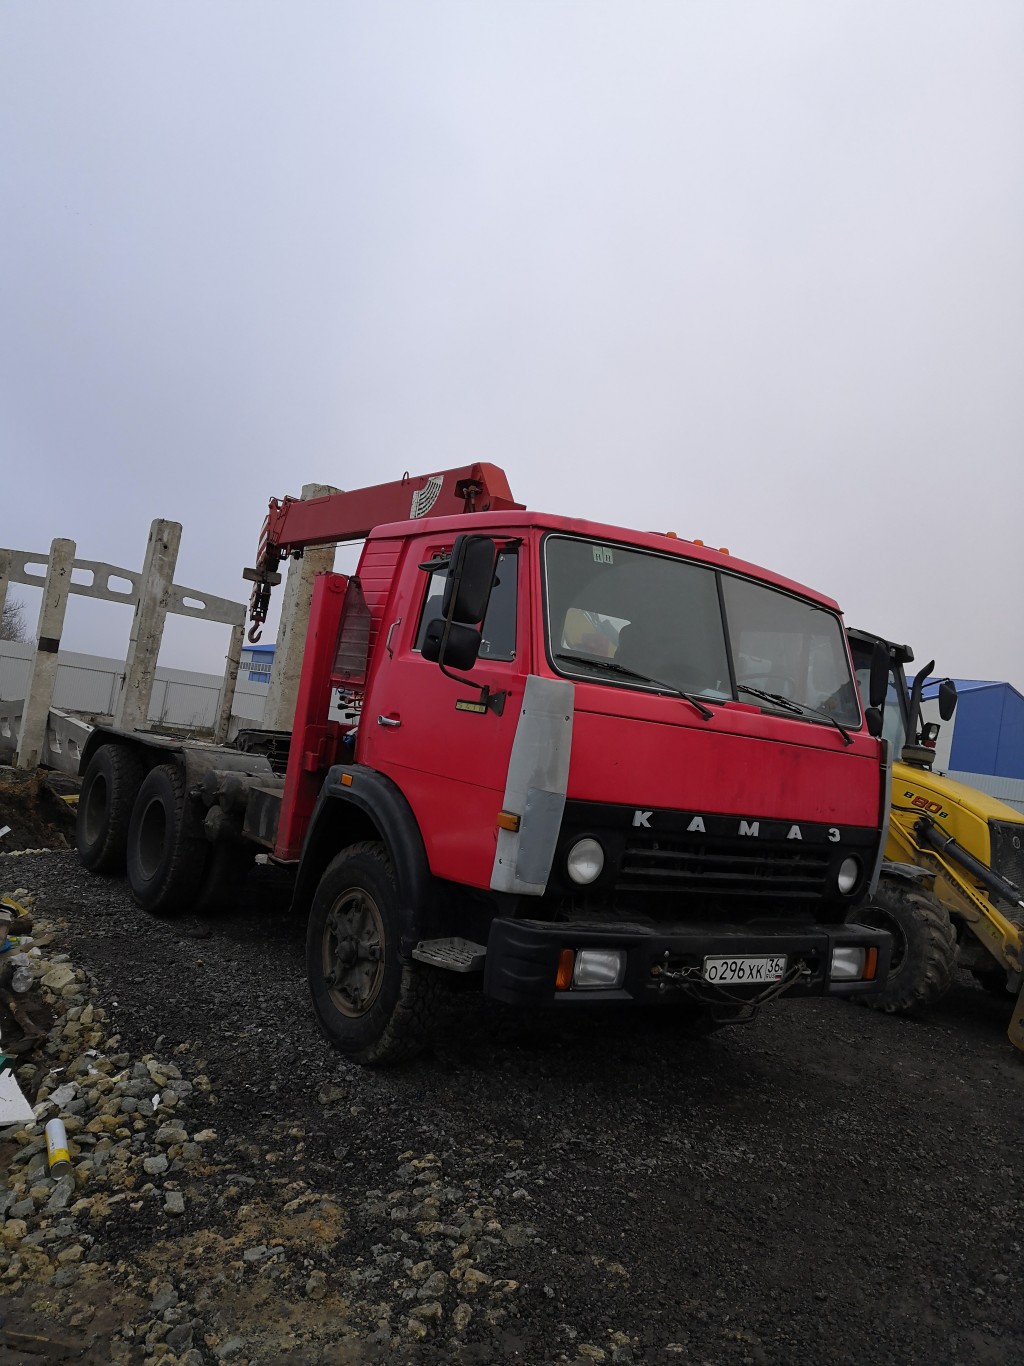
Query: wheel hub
x: 353, y: 952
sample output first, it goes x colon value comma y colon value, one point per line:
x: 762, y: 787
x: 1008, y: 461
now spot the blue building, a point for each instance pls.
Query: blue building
x: 986, y: 734
x: 257, y: 660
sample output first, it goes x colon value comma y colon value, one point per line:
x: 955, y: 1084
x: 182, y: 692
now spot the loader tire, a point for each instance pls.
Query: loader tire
x: 923, y: 947
x: 167, y: 852
x: 112, y: 781
x: 373, y: 1006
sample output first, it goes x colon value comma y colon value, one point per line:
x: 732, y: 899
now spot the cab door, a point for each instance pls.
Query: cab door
x: 430, y: 733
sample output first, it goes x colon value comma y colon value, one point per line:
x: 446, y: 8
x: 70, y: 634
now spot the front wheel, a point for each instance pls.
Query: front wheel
x: 923, y: 947
x: 373, y: 1007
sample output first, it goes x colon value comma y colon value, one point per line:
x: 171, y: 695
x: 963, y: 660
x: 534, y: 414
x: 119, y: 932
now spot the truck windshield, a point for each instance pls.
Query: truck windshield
x: 661, y: 619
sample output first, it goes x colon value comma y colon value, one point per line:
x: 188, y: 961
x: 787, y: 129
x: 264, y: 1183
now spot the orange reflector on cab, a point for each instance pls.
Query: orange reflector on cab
x: 508, y: 820
x: 566, y: 963
x: 723, y: 550
x: 347, y: 780
x: 870, y: 965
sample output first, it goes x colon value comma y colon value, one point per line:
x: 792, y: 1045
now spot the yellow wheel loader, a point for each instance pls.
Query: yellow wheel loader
x: 950, y: 889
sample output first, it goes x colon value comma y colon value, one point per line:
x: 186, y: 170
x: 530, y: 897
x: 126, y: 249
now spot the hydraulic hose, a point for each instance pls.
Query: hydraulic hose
x: 929, y: 834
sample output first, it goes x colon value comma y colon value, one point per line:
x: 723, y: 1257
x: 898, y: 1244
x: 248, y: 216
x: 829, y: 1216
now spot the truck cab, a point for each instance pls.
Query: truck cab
x: 637, y: 769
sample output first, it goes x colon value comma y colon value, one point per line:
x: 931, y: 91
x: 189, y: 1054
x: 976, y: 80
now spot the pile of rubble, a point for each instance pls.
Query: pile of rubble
x: 127, y: 1142
x: 166, y: 1244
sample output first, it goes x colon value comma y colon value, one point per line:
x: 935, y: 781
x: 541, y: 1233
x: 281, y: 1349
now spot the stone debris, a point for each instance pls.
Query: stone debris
x: 141, y: 1148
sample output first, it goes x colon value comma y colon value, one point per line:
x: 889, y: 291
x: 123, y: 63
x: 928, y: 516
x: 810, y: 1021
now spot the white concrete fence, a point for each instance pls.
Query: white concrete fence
x: 129, y: 697
x: 38, y: 678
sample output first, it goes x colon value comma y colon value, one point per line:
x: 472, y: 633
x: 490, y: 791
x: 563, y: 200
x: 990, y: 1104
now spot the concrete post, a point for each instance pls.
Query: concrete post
x: 44, y: 662
x: 227, y: 692
x: 148, y: 625
x: 282, y: 694
x: 5, y: 578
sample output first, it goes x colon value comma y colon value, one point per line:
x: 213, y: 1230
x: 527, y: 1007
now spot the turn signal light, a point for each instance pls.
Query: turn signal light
x: 871, y: 965
x: 563, y: 977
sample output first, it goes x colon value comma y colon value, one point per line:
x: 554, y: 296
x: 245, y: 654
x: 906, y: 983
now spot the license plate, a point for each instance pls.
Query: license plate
x: 729, y: 971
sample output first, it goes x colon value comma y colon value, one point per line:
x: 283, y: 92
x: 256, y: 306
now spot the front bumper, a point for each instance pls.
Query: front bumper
x: 663, y: 962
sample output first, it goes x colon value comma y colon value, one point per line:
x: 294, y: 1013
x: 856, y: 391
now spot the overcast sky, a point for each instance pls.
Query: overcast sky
x: 750, y: 271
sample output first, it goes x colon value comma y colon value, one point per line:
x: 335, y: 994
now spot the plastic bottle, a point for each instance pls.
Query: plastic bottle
x: 57, y: 1153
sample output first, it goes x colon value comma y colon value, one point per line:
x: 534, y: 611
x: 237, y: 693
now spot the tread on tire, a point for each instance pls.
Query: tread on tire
x: 111, y: 784
x: 167, y: 851
x: 924, y: 947
x: 392, y: 1020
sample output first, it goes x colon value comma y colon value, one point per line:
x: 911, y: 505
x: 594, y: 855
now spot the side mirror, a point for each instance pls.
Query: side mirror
x: 947, y: 698
x: 873, y: 719
x: 470, y: 579
x: 460, y: 649
x: 878, y: 682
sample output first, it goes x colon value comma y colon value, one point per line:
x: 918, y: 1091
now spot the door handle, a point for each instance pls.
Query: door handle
x: 391, y: 721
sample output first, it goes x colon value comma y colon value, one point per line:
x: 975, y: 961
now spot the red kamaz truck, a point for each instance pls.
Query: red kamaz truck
x: 580, y: 764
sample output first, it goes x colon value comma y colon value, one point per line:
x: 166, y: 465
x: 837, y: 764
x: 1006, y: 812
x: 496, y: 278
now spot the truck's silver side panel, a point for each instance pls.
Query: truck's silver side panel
x: 538, y: 774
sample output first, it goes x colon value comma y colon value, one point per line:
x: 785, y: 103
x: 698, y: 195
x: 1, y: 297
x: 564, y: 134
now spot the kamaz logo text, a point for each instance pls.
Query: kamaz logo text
x: 748, y: 829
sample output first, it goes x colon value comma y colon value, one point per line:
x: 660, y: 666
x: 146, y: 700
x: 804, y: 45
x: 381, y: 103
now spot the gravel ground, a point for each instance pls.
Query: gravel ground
x: 828, y: 1185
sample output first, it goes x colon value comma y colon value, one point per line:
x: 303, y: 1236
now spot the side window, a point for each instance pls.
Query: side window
x: 431, y: 606
x: 499, y: 627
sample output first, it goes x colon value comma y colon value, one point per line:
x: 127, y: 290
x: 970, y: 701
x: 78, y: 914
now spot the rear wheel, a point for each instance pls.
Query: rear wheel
x: 923, y: 947
x: 373, y: 1007
x: 167, y: 852
x: 112, y: 781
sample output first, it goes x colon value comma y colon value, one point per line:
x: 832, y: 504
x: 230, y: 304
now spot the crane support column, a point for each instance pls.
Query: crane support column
x: 279, y: 712
x: 148, y: 625
x: 227, y: 692
x: 39, y: 694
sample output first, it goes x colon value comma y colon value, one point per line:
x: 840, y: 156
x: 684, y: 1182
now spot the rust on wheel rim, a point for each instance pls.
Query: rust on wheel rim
x: 353, y: 952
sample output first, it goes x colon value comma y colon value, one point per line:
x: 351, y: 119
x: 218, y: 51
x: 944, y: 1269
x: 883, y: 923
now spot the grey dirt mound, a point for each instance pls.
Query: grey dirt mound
x: 830, y: 1185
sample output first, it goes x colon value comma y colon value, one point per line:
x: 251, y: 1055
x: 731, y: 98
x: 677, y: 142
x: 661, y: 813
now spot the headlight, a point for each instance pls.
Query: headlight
x: 848, y: 964
x: 585, y: 862
x: 849, y: 872
x: 599, y: 968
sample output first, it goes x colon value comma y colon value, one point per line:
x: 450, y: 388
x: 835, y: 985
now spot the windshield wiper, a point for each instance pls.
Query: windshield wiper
x: 800, y: 708
x: 610, y: 666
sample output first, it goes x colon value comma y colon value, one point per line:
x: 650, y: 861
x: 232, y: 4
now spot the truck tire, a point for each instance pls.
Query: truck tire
x: 923, y: 947
x: 373, y: 1007
x: 111, y: 784
x: 167, y: 852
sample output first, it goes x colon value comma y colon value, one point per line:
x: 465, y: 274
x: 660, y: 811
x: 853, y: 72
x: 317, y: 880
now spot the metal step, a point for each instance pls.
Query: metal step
x: 457, y: 955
